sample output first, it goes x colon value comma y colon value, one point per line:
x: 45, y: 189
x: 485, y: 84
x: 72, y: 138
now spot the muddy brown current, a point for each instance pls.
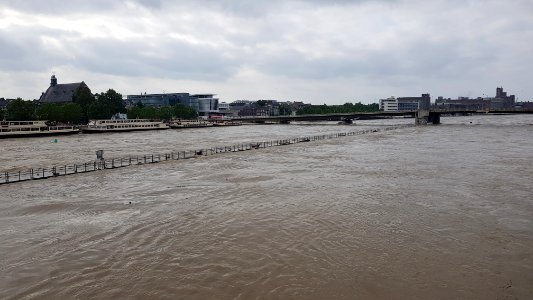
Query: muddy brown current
x: 429, y: 212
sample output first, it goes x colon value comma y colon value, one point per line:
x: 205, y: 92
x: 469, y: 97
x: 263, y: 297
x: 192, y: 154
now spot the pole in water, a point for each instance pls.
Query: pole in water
x: 100, y: 154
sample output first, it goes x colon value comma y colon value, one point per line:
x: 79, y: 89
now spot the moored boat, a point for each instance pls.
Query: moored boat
x: 120, y: 125
x: 189, y: 124
x: 227, y: 123
x: 11, y: 129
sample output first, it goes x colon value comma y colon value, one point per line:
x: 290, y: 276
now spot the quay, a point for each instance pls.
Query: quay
x: 7, y: 177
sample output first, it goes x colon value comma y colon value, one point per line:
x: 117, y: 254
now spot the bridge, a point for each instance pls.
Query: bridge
x: 344, y: 117
x: 432, y: 116
x: 422, y: 117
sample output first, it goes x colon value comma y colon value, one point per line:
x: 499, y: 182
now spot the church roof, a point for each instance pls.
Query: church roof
x: 60, y: 93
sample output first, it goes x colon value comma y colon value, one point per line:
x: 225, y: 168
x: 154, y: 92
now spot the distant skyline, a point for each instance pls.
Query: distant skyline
x: 314, y: 51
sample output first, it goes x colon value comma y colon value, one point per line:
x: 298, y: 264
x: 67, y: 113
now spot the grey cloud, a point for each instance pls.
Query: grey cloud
x: 444, y: 59
x: 22, y: 51
x: 240, y: 7
x: 173, y: 59
x: 154, y: 4
x: 257, y: 8
x: 10, y: 52
x: 61, y: 7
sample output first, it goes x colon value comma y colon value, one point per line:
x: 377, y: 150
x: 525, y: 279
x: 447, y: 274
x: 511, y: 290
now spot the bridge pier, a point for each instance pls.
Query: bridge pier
x: 434, y: 118
x: 423, y: 117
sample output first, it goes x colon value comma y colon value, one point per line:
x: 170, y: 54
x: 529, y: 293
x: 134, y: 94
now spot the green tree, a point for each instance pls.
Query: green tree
x: 184, y: 112
x: 106, y: 105
x: 72, y: 113
x: 345, y: 108
x: 285, y: 109
x: 165, y: 113
x: 150, y: 113
x: 135, y: 113
x: 261, y: 103
x: 98, y: 110
x: 113, y: 100
x: 84, y: 98
x: 20, y: 110
x: 178, y: 111
x: 49, y: 111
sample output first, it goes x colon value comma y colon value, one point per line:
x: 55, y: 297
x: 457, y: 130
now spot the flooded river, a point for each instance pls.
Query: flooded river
x: 428, y: 212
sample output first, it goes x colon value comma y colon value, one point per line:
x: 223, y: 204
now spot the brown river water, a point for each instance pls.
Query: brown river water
x: 428, y: 212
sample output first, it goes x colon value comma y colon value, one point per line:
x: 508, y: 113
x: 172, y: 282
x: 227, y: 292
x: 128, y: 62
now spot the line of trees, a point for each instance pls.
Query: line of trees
x: 19, y: 109
x: 177, y: 111
x: 333, y: 109
x: 85, y: 106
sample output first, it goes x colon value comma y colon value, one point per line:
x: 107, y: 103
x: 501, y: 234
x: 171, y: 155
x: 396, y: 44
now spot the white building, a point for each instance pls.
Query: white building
x: 223, y: 106
x: 405, y: 103
x: 389, y: 104
x: 224, y: 109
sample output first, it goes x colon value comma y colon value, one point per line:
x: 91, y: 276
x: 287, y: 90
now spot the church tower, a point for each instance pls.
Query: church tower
x: 53, y: 80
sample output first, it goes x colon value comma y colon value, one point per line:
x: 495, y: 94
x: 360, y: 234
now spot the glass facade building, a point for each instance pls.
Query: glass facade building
x: 204, y: 104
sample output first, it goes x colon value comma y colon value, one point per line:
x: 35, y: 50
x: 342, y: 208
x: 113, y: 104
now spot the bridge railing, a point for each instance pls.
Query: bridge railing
x: 466, y: 110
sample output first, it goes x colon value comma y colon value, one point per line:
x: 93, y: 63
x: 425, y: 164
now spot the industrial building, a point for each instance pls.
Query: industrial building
x: 500, y: 101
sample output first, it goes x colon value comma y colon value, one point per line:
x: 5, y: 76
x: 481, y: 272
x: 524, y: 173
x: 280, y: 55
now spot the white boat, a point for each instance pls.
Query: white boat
x: 227, y: 123
x: 119, y: 125
x: 189, y: 124
x: 9, y: 129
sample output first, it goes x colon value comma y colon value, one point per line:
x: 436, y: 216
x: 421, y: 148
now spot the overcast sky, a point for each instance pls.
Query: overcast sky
x: 314, y: 51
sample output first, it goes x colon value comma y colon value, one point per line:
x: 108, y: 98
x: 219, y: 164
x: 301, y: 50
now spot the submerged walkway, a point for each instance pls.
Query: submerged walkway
x: 113, y: 163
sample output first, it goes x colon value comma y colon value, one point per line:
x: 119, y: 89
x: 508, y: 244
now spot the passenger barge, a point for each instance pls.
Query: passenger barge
x: 15, y: 129
x: 121, y: 125
x: 176, y: 124
x: 227, y: 123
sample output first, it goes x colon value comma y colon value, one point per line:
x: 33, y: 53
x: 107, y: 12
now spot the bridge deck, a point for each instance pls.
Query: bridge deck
x: 372, y: 115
